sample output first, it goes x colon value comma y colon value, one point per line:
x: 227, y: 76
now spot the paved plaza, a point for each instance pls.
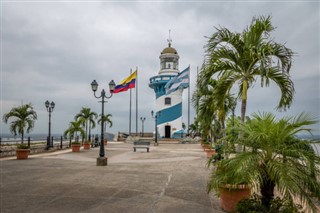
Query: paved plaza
x: 170, y: 178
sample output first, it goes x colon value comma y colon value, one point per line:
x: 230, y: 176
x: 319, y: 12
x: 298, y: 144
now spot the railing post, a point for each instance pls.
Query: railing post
x: 29, y: 141
x: 70, y: 142
x: 61, y: 142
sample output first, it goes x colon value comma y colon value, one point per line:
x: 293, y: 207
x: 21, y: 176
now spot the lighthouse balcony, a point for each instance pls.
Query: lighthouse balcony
x: 161, y: 79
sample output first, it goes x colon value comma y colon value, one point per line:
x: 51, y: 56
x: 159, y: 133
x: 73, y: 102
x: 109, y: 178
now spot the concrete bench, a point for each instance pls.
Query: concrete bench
x: 141, y: 145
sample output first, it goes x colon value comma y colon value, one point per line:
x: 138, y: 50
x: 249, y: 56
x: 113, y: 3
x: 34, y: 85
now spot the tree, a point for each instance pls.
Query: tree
x: 74, y: 128
x: 193, y: 129
x: 23, y: 118
x: 106, y: 120
x: 211, y: 113
x: 88, y: 117
x: 275, y: 159
x: 240, y: 59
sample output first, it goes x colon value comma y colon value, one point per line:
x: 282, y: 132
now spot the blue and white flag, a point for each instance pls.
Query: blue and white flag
x: 179, y: 81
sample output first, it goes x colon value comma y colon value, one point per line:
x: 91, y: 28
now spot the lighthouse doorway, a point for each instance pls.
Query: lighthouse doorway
x: 167, y: 130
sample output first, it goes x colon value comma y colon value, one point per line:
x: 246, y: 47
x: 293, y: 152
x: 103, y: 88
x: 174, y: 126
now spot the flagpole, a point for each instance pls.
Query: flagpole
x: 137, y: 102
x: 189, y: 100
x: 130, y: 108
x: 197, y: 91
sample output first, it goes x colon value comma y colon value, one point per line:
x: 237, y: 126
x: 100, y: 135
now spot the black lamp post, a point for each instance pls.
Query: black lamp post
x: 102, y: 160
x: 142, y: 120
x: 156, y: 116
x: 49, y: 107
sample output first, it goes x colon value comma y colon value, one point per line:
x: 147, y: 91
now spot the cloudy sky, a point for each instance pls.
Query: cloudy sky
x: 53, y: 50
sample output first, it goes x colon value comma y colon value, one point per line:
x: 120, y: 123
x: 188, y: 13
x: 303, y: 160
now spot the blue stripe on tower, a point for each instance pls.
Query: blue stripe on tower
x: 170, y: 114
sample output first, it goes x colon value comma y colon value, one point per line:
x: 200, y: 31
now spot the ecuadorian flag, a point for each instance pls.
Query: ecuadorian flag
x: 127, y: 83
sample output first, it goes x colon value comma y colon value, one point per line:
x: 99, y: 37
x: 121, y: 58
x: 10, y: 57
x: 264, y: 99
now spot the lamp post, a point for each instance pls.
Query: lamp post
x: 102, y: 160
x: 156, y: 116
x: 49, y: 107
x: 142, y: 120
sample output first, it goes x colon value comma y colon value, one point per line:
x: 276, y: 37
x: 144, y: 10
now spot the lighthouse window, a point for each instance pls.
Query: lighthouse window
x: 167, y: 101
x: 169, y: 65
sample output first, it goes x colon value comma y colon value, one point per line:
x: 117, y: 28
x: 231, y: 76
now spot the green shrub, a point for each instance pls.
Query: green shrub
x: 23, y: 146
x: 76, y: 143
x: 278, y: 205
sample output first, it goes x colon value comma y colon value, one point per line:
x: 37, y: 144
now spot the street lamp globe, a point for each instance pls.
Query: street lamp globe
x: 52, y: 104
x: 112, y: 86
x: 47, y: 104
x: 94, y: 86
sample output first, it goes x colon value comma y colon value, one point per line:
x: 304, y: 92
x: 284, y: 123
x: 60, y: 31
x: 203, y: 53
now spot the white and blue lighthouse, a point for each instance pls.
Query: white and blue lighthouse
x: 169, y: 106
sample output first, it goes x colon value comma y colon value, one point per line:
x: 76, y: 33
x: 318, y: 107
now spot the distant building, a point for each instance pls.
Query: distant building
x: 169, y: 106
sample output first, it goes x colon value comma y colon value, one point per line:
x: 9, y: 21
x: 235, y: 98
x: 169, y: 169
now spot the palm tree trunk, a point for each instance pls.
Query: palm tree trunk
x: 267, y: 188
x: 243, y: 114
x: 89, y: 136
x: 243, y: 110
x: 244, y: 100
x: 22, y: 135
x: 267, y: 193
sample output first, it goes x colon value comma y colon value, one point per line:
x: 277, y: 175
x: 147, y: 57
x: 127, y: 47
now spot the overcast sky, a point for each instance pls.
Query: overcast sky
x: 53, y: 50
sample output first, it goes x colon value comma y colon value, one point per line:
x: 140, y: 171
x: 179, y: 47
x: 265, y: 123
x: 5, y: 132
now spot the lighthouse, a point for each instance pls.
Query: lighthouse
x: 168, y: 107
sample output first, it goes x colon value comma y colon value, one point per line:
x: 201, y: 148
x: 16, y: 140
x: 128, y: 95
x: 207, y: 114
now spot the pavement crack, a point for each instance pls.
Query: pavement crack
x: 157, y: 200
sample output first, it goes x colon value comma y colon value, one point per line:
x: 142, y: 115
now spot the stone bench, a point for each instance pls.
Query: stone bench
x: 141, y: 145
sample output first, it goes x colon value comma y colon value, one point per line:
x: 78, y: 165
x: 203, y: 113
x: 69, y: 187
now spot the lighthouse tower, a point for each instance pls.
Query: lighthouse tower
x: 169, y: 106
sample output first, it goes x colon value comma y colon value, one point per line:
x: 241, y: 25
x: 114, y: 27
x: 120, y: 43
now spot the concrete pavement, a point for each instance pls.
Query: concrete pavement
x: 170, y: 178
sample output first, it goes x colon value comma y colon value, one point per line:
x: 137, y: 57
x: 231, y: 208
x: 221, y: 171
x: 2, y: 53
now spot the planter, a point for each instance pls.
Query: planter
x: 86, y: 146
x: 206, y: 146
x: 230, y: 195
x: 22, y: 154
x: 75, y: 147
x: 210, y: 152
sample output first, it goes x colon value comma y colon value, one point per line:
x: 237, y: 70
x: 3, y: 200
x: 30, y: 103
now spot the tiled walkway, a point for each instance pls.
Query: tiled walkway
x: 170, y: 178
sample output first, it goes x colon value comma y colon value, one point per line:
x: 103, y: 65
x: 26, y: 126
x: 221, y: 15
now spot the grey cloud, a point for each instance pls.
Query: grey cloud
x: 53, y: 50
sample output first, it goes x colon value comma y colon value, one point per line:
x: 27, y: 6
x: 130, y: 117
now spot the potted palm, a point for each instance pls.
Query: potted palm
x: 73, y: 129
x: 23, y: 118
x: 75, y: 146
x: 88, y: 120
x: 274, y: 159
x: 22, y: 151
x: 231, y: 187
x: 210, y: 151
x: 86, y: 145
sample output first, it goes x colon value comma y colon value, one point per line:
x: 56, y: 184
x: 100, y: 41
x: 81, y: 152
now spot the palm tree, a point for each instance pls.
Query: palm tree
x: 23, y: 117
x: 211, y: 113
x: 74, y: 128
x: 276, y: 160
x: 106, y: 120
x: 193, y: 128
x: 240, y: 59
x: 88, y: 117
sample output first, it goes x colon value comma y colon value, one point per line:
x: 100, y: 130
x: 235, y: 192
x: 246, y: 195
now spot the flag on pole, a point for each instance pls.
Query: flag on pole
x: 179, y: 81
x: 127, y: 83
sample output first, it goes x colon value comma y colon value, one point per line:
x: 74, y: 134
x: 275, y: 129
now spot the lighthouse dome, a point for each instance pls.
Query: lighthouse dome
x: 169, y: 50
